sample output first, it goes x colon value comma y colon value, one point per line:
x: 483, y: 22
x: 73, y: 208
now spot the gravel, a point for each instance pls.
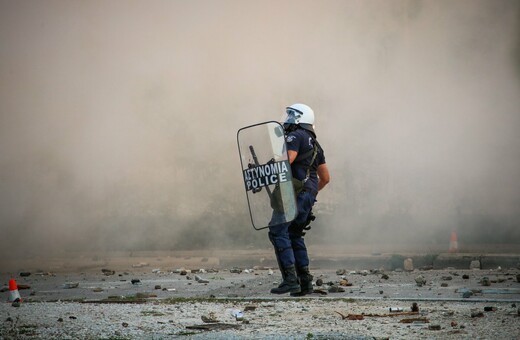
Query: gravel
x: 111, y: 307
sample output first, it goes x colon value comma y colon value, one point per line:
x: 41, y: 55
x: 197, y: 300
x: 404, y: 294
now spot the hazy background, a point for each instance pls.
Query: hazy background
x: 118, y: 119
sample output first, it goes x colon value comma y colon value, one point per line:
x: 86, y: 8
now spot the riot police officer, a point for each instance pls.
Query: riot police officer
x: 311, y: 174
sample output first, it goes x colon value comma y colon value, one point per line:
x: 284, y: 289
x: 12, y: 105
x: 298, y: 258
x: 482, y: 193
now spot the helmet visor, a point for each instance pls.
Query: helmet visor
x: 291, y: 116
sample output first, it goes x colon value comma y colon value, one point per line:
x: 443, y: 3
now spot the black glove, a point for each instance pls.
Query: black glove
x: 298, y: 229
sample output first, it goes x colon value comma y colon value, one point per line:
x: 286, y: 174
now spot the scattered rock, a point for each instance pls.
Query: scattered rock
x: 70, y: 285
x: 248, y: 308
x: 447, y: 278
x: 490, y: 309
x: 209, y: 318
x: 235, y: 270
x: 97, y: 290
x: 454, y: 324
x: 414, y: 320
x: 415, y: 307
x: 157, y: 286
x: 385, y: 277
x: 444, y: 284
x: 408, y: 265
x: 135, y: 281
x: 319, y: 282
x: 25, y: 274
x: 108, y: 272
x: 214, y: 326
x: 23, y: 286
x: 124, y: 324
x: 477, y: 314
x: 60, y: 319
x: 345, y: 283
x: 140, y: 265
x: 465, y: 277
x: 485, y: 281
x: 467, y: 294
x: 16, y: 303
x: 336, y: 289
x: 475, y: 264
x: 420, y: 280
x: 434, y: 327
x: 341, y: 272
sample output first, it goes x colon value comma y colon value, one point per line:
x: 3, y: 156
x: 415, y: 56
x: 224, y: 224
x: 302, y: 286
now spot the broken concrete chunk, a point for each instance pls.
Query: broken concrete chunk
x: 140, y: 265
x: 420, y: 280
x: 408, y: 265
x: 70, y: 285
x: 475, y: 264
x: 209, y: 318
x: 485, y: 281
x: 108, y: 272
x: 336, y: 289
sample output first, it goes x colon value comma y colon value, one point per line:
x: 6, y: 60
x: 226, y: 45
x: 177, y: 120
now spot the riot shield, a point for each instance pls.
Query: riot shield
x: 267, y: 174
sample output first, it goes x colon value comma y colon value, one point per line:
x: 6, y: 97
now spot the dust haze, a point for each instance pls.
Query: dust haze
x: 119, y: 118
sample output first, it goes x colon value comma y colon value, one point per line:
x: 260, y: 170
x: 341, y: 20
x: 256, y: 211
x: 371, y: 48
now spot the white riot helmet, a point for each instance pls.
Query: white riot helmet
x: 299, y: 114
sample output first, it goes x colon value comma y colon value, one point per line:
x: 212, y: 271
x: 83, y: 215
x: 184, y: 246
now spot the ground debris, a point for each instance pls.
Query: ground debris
x: 108, y: 272
x: 214, y: 326
x: 362, y: 315
x: 209, y: 318
x: 415, y: 320
x: 70, y: 285
x: 420, y: 280
x: 351, y: 316
x: 415, y: 307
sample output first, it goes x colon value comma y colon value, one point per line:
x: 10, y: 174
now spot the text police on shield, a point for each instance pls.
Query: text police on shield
x: 266, y: 174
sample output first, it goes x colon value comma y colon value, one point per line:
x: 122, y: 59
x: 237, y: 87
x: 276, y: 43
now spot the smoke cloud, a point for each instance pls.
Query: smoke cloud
x: 119, y: 119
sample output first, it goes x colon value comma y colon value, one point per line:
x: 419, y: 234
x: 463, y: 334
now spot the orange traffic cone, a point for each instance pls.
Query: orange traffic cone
x: 454, y: 245
x: 13, y: 291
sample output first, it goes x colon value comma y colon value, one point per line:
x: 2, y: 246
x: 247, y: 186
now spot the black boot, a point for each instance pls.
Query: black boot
x: 290, y: 282
x: 305, y: 278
